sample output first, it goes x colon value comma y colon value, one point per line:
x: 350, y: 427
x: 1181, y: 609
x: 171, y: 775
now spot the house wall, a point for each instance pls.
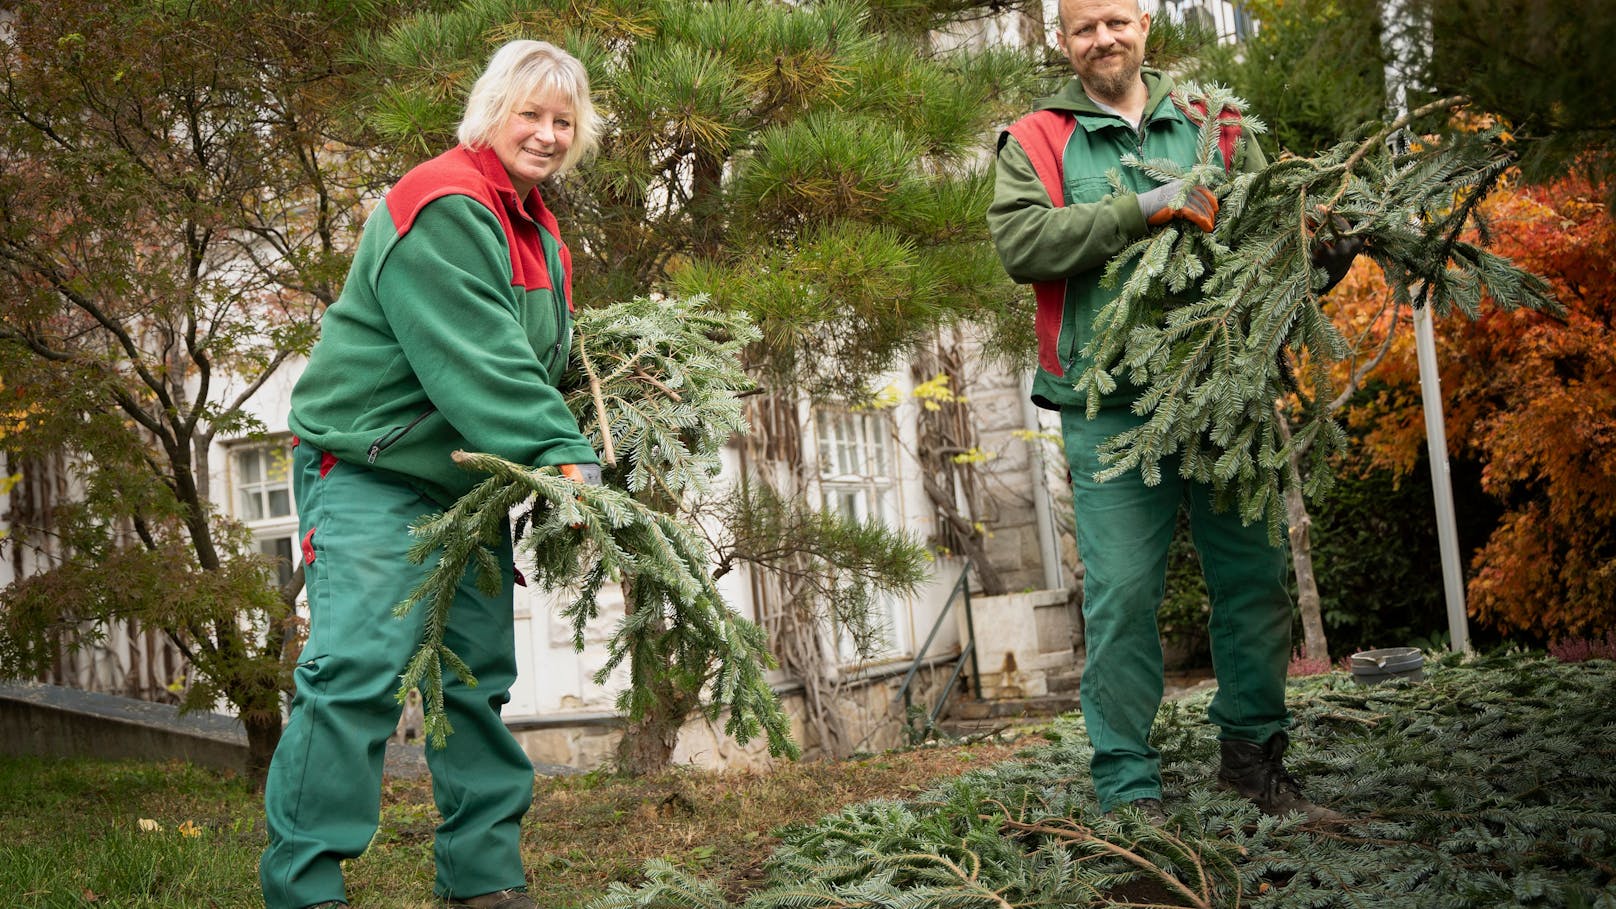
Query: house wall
x: 1028, y: 539
x: 564, y: 716
x: 562, y: 713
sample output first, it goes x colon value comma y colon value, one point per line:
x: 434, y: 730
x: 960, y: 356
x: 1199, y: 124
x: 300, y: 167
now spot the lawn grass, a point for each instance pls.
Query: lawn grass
x: 72, y: 834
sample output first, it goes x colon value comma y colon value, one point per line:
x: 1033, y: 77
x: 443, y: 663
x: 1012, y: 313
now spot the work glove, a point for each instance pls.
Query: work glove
x: 1335, y: 256
x: 1200, y: 207
x: 587, y: 474
x: 584, y: 475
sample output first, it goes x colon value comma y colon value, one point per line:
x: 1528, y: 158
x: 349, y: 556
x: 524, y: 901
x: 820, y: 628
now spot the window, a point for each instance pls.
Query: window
x: 262, y: 489
x: 856, y: 480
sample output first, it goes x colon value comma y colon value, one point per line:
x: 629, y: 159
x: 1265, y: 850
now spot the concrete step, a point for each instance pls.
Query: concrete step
x: 1064, y: 682
x: 1011, y: 708
x: 990, y: 726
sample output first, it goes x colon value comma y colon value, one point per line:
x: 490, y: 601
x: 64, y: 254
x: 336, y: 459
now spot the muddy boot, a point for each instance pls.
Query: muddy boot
x: 499, y: 899
x: 1258, y: 773
x: 1150, y: 811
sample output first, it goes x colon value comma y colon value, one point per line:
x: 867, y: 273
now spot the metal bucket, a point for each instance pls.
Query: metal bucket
x: 1371, y: 667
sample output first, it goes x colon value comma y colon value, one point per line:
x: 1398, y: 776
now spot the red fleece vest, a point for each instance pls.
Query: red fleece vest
x: 478, y: 174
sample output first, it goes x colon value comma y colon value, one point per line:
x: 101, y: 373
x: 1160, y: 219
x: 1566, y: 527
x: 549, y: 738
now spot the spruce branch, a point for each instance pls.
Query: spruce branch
x: 1489, y: 783
x: 668, y: 394
x: 1068, y: 830
x: 1203, y: 324
x: 1380, y: 138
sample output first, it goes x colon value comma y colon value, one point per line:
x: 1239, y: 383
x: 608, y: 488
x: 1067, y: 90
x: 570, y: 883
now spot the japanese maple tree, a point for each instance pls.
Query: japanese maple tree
x: 1532, y: 396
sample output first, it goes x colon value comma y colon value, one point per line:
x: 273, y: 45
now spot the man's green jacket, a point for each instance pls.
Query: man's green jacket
x: 1069, y: 144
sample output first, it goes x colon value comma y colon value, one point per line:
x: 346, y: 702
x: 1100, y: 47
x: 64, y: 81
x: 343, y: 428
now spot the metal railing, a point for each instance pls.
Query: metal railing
x: 961, y: 591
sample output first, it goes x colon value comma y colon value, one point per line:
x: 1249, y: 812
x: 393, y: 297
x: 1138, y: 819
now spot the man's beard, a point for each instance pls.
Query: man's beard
x: 1111, y: 84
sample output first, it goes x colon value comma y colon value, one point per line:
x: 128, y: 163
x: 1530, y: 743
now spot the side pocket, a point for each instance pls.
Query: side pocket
x: 308, y: 547
x: 392, y: 436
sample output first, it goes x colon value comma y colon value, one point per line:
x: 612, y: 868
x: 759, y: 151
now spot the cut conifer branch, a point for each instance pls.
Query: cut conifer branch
x: 1202, y: 321
x: 667, y: 388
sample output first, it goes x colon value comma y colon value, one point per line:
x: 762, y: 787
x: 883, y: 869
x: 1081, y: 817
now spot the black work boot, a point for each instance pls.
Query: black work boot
x: 1258, y: 773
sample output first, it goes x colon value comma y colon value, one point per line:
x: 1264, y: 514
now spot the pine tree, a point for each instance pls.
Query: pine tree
x: 1213, y: 368
x: 815, y: 165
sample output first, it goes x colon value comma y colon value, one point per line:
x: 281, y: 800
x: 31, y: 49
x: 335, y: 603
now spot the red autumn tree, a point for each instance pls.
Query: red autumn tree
x: 1532, y: 397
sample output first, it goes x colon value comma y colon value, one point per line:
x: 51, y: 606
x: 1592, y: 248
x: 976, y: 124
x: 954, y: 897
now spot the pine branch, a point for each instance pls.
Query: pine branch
x: 668, y: 395
x: 1210, y: 370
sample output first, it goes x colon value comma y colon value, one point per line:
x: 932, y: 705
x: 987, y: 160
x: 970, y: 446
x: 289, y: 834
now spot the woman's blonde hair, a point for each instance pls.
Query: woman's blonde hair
x: 518, y: 72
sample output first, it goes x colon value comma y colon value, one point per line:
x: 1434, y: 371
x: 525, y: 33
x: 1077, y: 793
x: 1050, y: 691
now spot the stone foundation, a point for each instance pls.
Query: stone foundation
x: 868, y: 704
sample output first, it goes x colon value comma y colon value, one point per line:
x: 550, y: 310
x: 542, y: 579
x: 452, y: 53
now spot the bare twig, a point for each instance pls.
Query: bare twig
x: 607, y: 453
x: 642, y: 375
x: 1076, y: 833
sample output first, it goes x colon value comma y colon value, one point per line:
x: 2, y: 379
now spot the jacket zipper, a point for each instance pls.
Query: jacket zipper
x: 393, y: 435
x: 555, y: 295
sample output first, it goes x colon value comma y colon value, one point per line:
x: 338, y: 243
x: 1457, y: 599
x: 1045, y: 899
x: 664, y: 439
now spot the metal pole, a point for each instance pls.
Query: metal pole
x: 1396, y: 30
x: 1436, y: 446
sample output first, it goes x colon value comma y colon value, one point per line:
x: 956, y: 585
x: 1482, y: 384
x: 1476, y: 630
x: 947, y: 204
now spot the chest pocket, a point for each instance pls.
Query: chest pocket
x: 1087, y: 189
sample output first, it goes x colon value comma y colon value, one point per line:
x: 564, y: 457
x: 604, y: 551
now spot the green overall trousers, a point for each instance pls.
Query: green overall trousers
x: 1123, y: 531
x: 323, y: 794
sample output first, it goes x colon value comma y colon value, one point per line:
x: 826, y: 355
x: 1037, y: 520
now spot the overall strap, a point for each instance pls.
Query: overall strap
x: 1043, y: 135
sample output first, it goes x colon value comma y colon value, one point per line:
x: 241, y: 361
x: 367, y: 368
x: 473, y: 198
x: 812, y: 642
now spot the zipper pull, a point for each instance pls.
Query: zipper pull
x: 375, y: 450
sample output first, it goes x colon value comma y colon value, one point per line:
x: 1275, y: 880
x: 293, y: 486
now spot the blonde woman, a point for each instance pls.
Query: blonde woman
x: 450, y: 333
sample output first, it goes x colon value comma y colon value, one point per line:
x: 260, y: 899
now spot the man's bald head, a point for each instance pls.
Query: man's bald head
x: 1060, y: 10
x: 1104, y: 40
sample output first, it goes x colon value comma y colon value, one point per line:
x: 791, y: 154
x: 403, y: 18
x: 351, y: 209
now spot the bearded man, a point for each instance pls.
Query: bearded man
x: 1056, y: 221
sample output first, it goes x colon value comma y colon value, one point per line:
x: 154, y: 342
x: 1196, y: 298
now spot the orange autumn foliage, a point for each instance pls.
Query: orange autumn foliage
x: 1532, y: 397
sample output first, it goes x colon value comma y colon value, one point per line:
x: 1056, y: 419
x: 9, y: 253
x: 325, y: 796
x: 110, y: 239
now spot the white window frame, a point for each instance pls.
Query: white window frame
x: 855, y: 455
x: 274, y: 534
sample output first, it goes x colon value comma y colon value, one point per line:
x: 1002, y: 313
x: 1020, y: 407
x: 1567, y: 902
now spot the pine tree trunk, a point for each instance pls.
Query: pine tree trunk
x: 647, y: 743
x: 648, y: 740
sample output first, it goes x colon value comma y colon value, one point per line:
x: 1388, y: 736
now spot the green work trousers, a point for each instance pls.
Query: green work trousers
x: 1123, y: 531
x: 323, y: 795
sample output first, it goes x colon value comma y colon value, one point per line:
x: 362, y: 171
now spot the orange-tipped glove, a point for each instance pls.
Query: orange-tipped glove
x: 587, y: 474
x: 584, y: 475
x: 1200, y: 207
